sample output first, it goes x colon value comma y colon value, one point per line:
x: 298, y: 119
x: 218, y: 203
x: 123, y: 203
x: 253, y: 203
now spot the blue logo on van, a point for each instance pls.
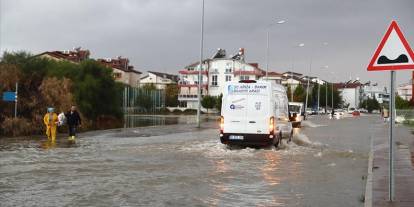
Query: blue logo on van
x: 230, y: 88
x: 232, y: 106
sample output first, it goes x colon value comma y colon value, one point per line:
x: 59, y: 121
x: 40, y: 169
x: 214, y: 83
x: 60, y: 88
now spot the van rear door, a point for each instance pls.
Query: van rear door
x: 258, y: 115
x: 235, y: 113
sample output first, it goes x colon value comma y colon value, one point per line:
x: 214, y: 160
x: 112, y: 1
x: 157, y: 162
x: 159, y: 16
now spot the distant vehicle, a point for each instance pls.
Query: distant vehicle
x: 363, y: 110
x: 297, y: 113
x: 351, y: 110
x: 356, y: 113
x: 254, y: 113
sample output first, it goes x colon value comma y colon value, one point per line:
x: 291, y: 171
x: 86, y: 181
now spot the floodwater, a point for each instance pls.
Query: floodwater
x: 180, y: 165
x: 159, y: 120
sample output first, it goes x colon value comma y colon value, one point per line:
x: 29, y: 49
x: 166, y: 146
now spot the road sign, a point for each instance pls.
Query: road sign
x: 393, y: 52
x: 9, y: 96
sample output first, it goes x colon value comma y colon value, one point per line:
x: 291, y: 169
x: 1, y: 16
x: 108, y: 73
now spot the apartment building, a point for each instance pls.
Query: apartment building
x: 215, y: 72
x: 160, y: 80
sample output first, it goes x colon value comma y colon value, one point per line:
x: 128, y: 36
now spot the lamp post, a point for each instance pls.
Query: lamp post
x: 307, y: 87
x: 291, y: 72
x: 326, y: 91
x: 324, y: 44
x: 332, y: 95
x: 200, y: 78
x: 267, y: 44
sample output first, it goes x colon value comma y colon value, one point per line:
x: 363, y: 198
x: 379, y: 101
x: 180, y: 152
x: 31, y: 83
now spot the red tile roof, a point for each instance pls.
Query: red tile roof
x: 119, y: 63
x: 76, y: 55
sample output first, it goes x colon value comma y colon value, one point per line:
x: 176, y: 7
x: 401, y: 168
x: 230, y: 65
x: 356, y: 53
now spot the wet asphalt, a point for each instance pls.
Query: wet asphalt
x: 180, y: 165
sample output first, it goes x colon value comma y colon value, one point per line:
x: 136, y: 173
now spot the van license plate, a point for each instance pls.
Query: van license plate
x: 236, y: 137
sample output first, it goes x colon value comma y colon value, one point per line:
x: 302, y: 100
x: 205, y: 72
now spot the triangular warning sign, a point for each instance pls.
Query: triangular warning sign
x: 393, y: 52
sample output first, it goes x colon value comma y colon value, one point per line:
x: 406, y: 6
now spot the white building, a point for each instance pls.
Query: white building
x: 405, y: 91
x: 375, y: 92
x: 160, y: 80
x: 350, y: 92
x: 215, y: 71
x: 273, y: 77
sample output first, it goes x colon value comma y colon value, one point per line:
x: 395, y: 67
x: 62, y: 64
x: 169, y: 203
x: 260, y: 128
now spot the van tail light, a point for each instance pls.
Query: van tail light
x: 272, y: 125
x: 221, y: 124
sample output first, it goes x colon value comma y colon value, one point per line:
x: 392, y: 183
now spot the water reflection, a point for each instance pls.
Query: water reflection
x: 219, y: 189
x: 271, y: 167
x: 48, y: 144
x: 157, y: 120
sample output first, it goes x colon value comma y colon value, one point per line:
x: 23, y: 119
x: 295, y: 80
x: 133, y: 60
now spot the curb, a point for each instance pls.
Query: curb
x: 368, y: 186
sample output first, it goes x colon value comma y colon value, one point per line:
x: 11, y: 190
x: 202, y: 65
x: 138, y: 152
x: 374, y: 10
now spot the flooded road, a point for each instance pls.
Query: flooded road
x: 179, y: 165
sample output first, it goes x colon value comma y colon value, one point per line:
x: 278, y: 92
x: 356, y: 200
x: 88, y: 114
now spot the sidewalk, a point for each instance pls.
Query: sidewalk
x: 403, y: 167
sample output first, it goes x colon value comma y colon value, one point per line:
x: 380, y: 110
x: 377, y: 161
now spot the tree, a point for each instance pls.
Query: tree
x: 96, y: 92
x: 44, y: 82
x: 299, y: 94
x: 218, y: 102
x: 149, y: 87
x: 289, y: 93
x: 208, y: 102
x: 171, y: 95
x: 370, y: 104
x: 400, y: 103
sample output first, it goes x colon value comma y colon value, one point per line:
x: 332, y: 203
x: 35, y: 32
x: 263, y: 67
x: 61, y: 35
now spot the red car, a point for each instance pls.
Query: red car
x: 356, y: 113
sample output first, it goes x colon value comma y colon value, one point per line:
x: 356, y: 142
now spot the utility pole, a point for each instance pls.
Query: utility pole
x: 326, y: 97
x: 200, y: 78
x: 307, y: 88
x: 267, y: 45
x: 291, y: 80
x: 319, y: 92
x: 15, y: 102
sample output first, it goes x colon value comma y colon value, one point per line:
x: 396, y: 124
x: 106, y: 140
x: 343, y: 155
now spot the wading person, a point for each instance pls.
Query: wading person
x: 51, y: 121
x: 73, y: 120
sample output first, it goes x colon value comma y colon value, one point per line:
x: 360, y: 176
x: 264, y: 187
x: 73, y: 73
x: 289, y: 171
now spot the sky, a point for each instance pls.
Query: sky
x: 164, y: 35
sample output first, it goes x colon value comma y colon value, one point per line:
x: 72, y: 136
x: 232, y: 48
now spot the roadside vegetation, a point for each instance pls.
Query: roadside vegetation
x: 46, y: 83
x: 299, y: 95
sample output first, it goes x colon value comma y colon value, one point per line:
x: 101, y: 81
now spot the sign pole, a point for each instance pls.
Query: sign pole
x: 391, y: 141
x: 15, y: 101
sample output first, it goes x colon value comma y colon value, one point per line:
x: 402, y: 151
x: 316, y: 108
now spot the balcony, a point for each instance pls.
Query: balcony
x: 247, y: 72
x: 192, y: 72
x: 190, y: 85
x: 184, y: 97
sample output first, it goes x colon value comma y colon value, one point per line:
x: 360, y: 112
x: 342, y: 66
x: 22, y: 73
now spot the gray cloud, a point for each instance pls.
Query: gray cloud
x: 164, y: 34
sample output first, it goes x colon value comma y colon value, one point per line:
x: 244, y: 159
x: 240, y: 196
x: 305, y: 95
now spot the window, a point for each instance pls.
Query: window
x: 244, y: 77
x: 228, y: 78
x: 117, y: 75
x: 214, y: 80
x: 228, y: 70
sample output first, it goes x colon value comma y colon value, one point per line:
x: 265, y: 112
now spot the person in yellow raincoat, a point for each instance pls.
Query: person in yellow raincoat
x: 51, y: 121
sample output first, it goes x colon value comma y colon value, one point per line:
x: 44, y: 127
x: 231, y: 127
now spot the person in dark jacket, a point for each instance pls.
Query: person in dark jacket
x: 73, y: 120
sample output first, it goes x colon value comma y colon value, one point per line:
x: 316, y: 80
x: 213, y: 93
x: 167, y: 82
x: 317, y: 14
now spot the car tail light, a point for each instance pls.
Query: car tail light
x: 221, y: 124
x: 272, y: 125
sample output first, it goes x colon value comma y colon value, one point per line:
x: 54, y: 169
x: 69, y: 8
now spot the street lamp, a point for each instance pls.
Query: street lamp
x: 200, y: 78
x: 291, y: 72
x: 333, y: 80
x: 267, y: 44
x: 324, y: 44
x: 307, y: 87
x: 326, y: 91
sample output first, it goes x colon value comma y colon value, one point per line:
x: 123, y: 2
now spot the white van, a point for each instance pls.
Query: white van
x: 254, y: 113
x: 297, y: 113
